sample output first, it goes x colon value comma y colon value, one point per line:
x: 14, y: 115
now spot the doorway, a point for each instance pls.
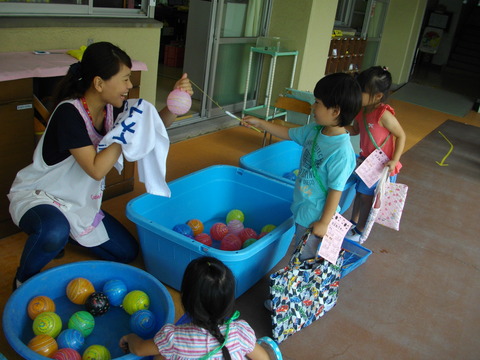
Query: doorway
x: 174, y: 16
x: 454, y: 64
x: 212, y: 46
x: 365, y: 19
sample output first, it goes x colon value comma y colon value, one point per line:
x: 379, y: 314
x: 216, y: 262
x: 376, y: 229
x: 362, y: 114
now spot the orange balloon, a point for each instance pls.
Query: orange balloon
x: 79, y: 289
x: 38, y: 305
x: 196, y: 226
x: 43, y: 344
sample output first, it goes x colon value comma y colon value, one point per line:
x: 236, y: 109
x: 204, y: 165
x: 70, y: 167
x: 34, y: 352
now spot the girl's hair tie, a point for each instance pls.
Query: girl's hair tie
x: 385, y: 68
x: 235, y: 316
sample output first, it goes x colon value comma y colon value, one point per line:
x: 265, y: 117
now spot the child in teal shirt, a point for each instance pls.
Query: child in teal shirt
x: 327, y: 159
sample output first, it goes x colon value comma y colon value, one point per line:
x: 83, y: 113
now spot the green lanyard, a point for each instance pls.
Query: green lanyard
x: 370, y: 134
x: 235, y: 316
x: 314, y: 169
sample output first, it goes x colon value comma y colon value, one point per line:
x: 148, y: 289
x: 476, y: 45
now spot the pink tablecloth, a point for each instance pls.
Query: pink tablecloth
x: 21, y: 65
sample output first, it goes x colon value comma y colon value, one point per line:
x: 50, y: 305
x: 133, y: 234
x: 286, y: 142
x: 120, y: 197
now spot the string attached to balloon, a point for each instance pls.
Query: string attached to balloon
x: 221, y: 107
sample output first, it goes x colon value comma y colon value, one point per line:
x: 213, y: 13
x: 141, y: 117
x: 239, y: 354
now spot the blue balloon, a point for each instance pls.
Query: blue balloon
x: 183, y: 229
x: 71, y: 338
x: 143, y: 323
x: 115, y: 290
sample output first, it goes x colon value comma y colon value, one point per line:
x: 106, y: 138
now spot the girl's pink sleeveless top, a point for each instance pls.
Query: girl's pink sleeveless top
x: 378, y: 132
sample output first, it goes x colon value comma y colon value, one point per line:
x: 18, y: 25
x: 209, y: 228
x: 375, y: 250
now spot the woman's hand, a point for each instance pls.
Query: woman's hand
x: 184, y: 84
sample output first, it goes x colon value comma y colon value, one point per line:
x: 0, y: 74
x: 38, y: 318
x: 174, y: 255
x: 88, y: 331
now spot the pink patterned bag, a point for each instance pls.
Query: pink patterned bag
x: 393, y: 201
x: 387, y: 207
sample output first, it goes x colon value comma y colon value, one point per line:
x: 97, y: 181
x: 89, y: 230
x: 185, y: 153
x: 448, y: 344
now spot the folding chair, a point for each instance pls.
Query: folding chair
x: 285, y: 104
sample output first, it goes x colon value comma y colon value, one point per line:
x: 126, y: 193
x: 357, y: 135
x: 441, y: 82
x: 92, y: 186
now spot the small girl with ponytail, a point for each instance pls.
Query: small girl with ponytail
x: 214, y: 331
x: 379, y: 129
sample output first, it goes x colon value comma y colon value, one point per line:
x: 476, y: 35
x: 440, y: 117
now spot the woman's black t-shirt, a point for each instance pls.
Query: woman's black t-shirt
x: 66, y: 130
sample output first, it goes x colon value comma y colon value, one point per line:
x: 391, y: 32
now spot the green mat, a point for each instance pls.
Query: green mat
x: 434, y: 98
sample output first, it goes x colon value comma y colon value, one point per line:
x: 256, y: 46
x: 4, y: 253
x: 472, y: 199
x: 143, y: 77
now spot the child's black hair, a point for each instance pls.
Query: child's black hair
x: 208, y: 295
x: 340, y: 90
x: 99, y: 59
x: 376, y: 79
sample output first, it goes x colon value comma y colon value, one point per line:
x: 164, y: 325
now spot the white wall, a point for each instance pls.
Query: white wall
x: 400, y: 36
x: 306, y: 26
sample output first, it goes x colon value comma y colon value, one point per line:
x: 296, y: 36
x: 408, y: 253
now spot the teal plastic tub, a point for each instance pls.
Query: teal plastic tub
x: 109, y: 328
x: 208, y: 195
x: 283, y: 157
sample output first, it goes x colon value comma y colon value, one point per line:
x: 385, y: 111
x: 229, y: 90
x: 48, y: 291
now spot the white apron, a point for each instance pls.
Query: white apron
x: 65, y: 185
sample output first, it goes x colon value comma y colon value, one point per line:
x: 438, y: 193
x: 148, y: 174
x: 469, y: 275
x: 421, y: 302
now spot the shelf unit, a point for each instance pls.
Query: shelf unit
x: 345, y: 54
x: 266, y: 111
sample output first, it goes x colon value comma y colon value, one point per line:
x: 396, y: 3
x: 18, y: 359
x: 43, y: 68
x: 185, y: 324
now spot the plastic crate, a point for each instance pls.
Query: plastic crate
x: 208, y: 195
x: 355, y: 255
x: 282, y: 157
x: 109, y: 328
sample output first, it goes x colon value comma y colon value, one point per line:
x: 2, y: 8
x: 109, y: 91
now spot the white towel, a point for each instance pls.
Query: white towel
x: 143, y: 137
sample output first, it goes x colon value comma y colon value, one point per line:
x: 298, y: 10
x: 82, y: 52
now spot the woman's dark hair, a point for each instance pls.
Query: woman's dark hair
x: 376, y: 79
x: 208, y: 295
x: 340, y: 90
x: 99, y: 59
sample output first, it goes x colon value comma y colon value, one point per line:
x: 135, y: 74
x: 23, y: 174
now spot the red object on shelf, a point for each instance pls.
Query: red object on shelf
x: 174, y: 56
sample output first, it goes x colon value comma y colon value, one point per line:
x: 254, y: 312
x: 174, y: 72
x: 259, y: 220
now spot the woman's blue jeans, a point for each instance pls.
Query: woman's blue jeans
x: 49, y: 231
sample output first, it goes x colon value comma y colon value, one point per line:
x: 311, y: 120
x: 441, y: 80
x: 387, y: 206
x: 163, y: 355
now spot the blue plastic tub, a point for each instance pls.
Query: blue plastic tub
x: 208, y: 195
x: 355, y: 255
x: 283, y: 157
x: 109, y: 328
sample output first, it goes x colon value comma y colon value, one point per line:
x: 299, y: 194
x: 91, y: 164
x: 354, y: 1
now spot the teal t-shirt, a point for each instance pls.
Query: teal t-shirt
x: 334, y: 161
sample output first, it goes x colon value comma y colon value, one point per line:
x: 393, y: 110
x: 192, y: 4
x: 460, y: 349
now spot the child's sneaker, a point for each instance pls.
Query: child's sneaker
x: 268, y: 305
x: 353, y: 235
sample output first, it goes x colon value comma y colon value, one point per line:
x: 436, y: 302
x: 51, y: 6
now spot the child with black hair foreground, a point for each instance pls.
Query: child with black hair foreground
x: 208, y: 297
x: 327, y: 159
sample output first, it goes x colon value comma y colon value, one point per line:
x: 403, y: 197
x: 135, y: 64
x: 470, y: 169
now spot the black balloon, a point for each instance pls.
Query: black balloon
x: 97, y: 304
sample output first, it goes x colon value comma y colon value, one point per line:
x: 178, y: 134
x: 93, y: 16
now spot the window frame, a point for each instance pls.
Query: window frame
x: 146, y: 11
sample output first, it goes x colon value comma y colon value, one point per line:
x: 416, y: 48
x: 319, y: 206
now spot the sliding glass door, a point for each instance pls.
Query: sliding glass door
x: 219, y: 36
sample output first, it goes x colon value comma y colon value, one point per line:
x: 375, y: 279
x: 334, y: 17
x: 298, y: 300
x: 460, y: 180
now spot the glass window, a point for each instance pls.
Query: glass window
x: 104, y: 8
x: 242, y: 18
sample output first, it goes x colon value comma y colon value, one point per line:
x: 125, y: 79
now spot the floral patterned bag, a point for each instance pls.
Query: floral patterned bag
x: 393, y: 201
x: 302, y: 292
x: 387, y: 206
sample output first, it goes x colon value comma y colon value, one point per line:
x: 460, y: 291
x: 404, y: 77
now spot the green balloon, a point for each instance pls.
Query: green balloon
x: 82, y: 321
x: 235, y: 214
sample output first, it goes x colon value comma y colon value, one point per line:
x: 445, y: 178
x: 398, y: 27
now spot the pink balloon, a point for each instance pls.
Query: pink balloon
x: 179, y: 102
